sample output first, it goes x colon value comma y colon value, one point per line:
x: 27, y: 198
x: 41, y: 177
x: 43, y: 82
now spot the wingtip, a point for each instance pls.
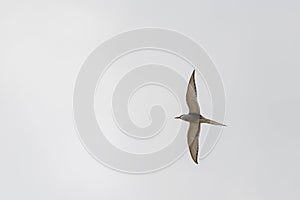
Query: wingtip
x: 193, y: 74
x: 195, y: 161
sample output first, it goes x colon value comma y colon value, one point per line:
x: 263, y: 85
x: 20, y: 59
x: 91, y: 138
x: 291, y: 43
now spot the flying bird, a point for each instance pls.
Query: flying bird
x: 194, y: 118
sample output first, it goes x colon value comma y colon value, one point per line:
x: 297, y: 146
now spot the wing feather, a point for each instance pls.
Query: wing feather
x: 193, y: 140
x: 191, y: 96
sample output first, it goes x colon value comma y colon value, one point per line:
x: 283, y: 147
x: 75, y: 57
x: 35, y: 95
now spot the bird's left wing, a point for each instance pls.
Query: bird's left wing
x: 191, y: 96
x: 193, y: 140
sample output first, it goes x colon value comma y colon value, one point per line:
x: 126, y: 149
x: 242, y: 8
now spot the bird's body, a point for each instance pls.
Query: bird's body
x: 194, y: 118
x: 191, y: 117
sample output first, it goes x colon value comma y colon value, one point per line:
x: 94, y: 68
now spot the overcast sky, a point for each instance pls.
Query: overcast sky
x: 255, y: 47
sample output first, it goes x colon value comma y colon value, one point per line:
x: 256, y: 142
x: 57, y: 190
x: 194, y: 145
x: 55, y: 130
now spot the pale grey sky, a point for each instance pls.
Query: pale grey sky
x: 255, y: 47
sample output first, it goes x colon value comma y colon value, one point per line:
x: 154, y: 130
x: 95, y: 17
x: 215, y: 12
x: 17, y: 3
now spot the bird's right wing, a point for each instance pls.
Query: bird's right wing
x: 191, y: 96
x: 193, y: 140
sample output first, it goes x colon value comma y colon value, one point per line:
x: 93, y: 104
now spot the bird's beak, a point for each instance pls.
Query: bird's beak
x: 177, y: 117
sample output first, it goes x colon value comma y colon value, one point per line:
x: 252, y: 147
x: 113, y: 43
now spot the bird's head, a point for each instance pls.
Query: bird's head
x: 179, y: 117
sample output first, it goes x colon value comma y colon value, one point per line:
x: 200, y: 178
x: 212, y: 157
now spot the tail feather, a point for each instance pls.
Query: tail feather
x: 209, y: 121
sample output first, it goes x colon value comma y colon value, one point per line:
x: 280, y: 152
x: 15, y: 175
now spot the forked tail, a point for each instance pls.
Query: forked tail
x: 209, y: 121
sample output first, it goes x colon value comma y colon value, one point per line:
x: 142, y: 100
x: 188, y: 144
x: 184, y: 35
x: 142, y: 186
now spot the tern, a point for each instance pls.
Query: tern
x: 194, y: 118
